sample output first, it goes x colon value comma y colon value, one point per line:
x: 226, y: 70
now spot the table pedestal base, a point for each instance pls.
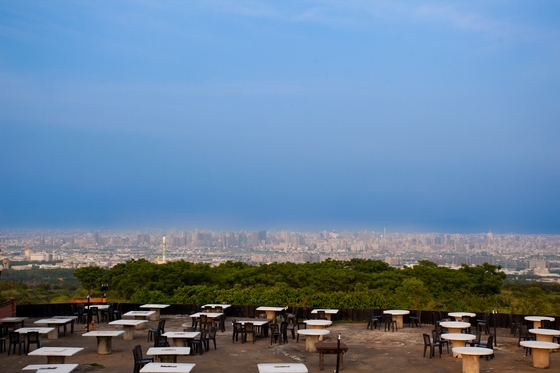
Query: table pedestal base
x: 55, y: 359
x: 53, y: 334
x: 180, y: 342
x: 399, y: 320
x: 471, y: 363
x: 541, y: 358
x: 154, y: 316
x: 168, y: 359
x: 140, y: 326
x: 310, y: 341
x: 128, y: 332
x: 104, y: 345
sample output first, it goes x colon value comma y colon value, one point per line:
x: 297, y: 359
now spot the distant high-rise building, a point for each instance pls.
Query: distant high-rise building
x: 262, y: 237
x: 537, y: 263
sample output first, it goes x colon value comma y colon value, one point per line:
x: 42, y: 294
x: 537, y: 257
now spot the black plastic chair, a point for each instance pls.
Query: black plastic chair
x: 275, y: 334
x: 93, y: 312
x: 436, y: 336
x: 415, y: 320
x: 78, y: 311
x: 117, y: 312
x: 107, y: 314
x: 157, y: 330
x: 515, y: 323
x: 33, y: 338
x: 390, y: 324
x: 489, y: 344
x: 160, y: 340
x: 199, y: 343
x: 249, y: 329
x: 321, y: 315
x: 15, y: 340
x: 300, y: 325
x: 431, y: 345
x: 212, y: 337
x: 524, y: 335
x: 484, y: 324
x: 292, y: 325
x: 205, y: 322
x: 284, y: 331
x: 238, y: 331
x: 373, y: 320
x: 475, y: 342
x: 2, y: 340
x: 139, y: 360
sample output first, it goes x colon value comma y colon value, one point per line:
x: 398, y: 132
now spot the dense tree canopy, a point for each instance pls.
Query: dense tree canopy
x: 345, y: 284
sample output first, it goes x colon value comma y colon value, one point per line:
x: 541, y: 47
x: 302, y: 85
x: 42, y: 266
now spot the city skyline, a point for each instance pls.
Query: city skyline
x: 415, y: 116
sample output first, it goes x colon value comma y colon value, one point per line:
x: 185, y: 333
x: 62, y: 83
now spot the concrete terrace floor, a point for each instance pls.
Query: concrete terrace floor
x: 369, y: 351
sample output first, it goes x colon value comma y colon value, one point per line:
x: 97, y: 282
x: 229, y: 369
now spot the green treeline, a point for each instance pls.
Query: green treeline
x: 340, y: 284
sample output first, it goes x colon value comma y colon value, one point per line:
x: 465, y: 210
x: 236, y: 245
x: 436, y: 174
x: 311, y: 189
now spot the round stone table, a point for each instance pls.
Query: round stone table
x: 537, y: 320
x: 545, y: 335
x: 471, y: 357
x: 458, y: 316
x: 541, y: 352
x: 312, y: 336
x: 318, y: 324
x: 397, y: 316
x: 458, y: 337
x: 455, y: 326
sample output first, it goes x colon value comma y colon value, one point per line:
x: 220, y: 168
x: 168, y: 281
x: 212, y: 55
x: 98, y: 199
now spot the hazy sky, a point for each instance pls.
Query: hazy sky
x: 411, y: 115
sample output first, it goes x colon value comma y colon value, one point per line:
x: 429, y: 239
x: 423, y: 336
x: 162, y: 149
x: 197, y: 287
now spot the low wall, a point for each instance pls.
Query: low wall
x: 8, y: 309
x: 502, y: 320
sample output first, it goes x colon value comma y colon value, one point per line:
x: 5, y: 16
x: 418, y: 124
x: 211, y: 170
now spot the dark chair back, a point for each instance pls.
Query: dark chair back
x: 33, y: 338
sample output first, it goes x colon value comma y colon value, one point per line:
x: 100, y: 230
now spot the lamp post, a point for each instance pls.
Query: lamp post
x: 338, y: 353
x: 88, y: 321
x: 104, y: 288
x: 495, y: 314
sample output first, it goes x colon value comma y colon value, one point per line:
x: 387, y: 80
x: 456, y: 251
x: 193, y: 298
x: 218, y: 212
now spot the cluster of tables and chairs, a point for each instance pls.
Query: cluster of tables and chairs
x: 461, y: 331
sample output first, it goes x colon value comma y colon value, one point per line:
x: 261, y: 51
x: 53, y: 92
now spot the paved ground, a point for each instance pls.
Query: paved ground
x: 369, y: 351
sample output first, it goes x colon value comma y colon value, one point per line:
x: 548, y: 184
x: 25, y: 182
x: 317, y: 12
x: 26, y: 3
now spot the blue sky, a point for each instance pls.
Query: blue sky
x: 411, y: 115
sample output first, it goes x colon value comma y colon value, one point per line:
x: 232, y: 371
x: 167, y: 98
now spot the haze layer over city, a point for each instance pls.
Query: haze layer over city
x: 536, y: 255
x: 323, y: 122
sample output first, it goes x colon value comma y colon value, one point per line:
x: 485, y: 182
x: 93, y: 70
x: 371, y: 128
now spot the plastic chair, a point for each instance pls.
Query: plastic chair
x: 484, y: 324
x: 321, y: 315
x: 211, y: 337
x: 390, y: 324
x: 275, y: 334
x: 431, y: 345
x: 373, y: 320
x: 15, y: 340
x: 238, y: 330
x: 33, y: 338
x: 117, y: 312
x: 436, y: 336
x: 415, y: 320
x: 198, y: 344
x: 2, y: 341
x: 157, y: 330
x: 249, y: 329
x: 489, y: 344
x: 284, y: 331
x: 515, y: 323
x: 160, y: 340
x: 139, y: 360
x: 300, y: 325
x: 93, y: 311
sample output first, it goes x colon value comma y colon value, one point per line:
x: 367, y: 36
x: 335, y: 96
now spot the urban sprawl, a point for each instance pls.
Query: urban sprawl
x: 516, y: 253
